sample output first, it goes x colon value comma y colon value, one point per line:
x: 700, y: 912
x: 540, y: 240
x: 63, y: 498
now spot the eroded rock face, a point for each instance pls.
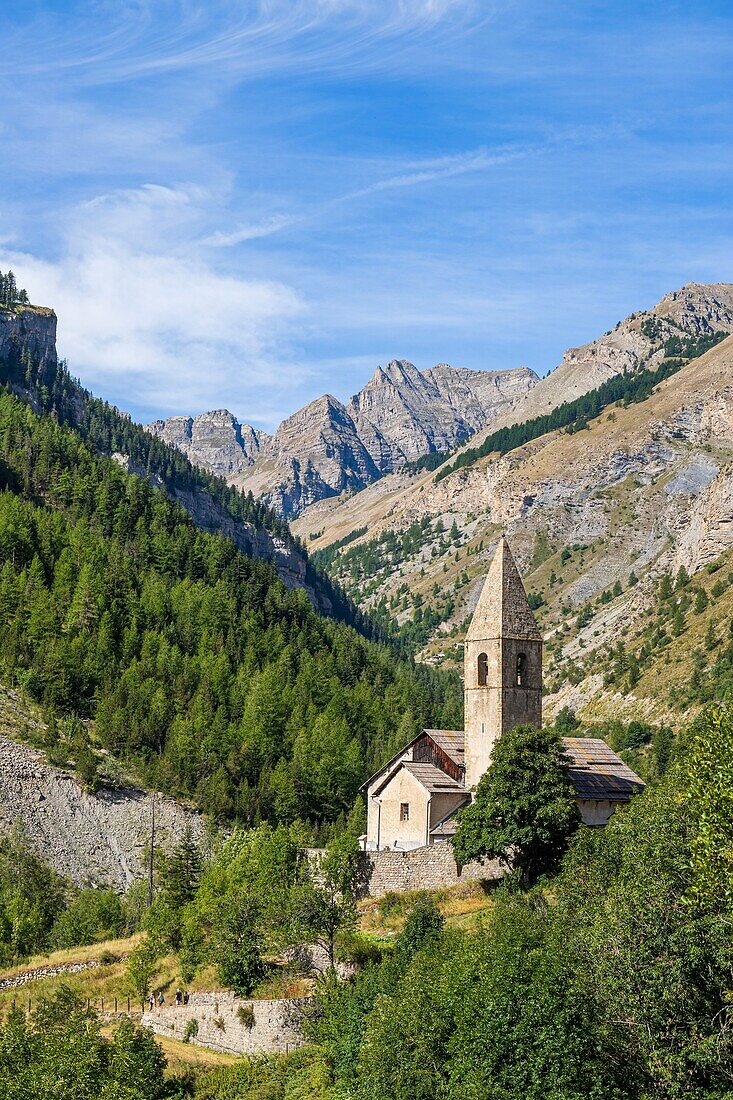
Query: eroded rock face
x: 92, y: 839
x: 327, y: 448
x: 215, y: 440
x: 28, y: 328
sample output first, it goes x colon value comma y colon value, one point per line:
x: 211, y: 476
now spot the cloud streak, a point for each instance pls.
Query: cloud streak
x: 251, y: 37
x: 151, y: 329
x: 413, y: 174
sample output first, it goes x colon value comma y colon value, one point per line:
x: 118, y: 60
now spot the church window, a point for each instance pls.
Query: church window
x: 483, y: 670
x: 404, y: 811
x: 521, y: 670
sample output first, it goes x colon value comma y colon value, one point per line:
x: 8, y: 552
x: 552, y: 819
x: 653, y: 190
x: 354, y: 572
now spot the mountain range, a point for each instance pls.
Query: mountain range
x: 328, y: 448
x: 642, y: 489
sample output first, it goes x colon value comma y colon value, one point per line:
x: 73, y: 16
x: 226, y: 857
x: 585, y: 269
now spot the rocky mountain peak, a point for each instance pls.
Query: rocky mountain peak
x: 215, y: 440
x: 328, y: 447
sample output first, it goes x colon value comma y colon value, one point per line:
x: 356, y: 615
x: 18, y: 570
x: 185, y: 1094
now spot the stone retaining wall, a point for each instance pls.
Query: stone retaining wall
x: 427, y: 868
x: 225, y: 1024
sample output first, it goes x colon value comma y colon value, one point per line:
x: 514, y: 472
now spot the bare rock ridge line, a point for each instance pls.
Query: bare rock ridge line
x: 328, y: 447
x: 93, y: 839
x: 693, y: 311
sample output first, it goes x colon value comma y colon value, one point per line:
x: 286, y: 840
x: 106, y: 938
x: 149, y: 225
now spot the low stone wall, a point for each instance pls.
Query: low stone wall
x: 37, y: 973
x: 427, y: 868
x: 231, y: 1024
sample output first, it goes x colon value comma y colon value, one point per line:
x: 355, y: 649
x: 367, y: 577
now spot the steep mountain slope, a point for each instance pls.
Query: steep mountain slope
x: 646, y: 337
x: 328, y: 448
x: 682, y: 324
x: 644, y: 490
x: 30, y: 368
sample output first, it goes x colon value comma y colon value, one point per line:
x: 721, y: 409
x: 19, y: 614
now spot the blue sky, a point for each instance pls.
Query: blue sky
x: 246, y: 204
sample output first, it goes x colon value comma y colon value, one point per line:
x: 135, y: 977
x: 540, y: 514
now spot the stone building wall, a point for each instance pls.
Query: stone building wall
x: 224, y: 1023
x: 427, y: 868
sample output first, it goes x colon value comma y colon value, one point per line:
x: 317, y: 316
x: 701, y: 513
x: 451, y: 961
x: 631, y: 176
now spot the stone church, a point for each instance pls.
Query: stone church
x: 413, y: 800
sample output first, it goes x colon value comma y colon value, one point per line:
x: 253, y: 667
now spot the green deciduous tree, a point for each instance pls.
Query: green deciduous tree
x: 524, y: 811
x: 325, y: 903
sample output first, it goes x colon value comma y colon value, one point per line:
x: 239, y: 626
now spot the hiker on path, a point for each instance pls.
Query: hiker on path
x: 179, y: 997
x: 161, y: 999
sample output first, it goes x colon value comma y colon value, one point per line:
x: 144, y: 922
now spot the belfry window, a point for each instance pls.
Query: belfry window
x: 483, y: 670
x: 521, y: 670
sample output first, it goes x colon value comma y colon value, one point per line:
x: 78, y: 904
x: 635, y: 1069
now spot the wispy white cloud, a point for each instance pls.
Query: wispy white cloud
x: 249, y: 232
x: 412, y: 174
x: 129, y: 41
x: 153, y: 329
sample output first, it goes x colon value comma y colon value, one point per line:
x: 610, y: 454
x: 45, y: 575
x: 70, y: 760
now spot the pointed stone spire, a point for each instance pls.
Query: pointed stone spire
x: 502, y: 610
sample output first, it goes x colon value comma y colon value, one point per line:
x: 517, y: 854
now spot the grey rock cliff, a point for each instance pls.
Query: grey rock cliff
x: 215, y: 440
x: 327, y: 448
x: 28, y: 328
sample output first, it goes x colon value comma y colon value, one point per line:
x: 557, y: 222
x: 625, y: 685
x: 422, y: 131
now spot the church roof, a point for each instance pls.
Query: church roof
x: 450, y: 741
x: 433, y: 779
x: 502, y: 609
x: 597, y: 772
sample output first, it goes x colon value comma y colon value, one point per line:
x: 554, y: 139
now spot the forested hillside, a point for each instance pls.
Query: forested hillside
x: 193, y: 661
x: 214, y: 505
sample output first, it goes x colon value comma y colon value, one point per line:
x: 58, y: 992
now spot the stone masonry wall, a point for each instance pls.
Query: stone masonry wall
x: 427, y: 868
x: 273, y: 1027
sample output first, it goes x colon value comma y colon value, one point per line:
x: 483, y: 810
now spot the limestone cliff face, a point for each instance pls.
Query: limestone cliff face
x: 28, y: 328
x: 215, y: 440
x: 328, y: 448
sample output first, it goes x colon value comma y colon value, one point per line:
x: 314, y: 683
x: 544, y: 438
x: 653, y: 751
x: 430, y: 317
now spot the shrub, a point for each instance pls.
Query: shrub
x: 246, y: 1016
x: 191, y: 1030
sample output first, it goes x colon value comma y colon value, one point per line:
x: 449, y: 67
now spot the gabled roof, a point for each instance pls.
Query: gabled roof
x: 597, y: 772
x: 433, y: 779
x: 502, y: 610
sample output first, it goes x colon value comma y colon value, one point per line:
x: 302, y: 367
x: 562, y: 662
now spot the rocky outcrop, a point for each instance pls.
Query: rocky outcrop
x: 692, y: 311
x: 93, y: 839
x: 328, y: 448
x: 28, y: 329
x: 215, y: 440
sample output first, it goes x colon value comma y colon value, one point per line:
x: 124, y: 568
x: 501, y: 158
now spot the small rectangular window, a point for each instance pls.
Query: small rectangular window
x: 404, y: 811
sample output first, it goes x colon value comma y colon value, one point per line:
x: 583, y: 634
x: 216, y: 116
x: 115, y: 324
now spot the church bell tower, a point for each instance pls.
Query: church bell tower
x: 502, y: 664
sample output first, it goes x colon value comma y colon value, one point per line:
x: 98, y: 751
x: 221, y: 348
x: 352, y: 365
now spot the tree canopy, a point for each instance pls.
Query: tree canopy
x: 524, y: 810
